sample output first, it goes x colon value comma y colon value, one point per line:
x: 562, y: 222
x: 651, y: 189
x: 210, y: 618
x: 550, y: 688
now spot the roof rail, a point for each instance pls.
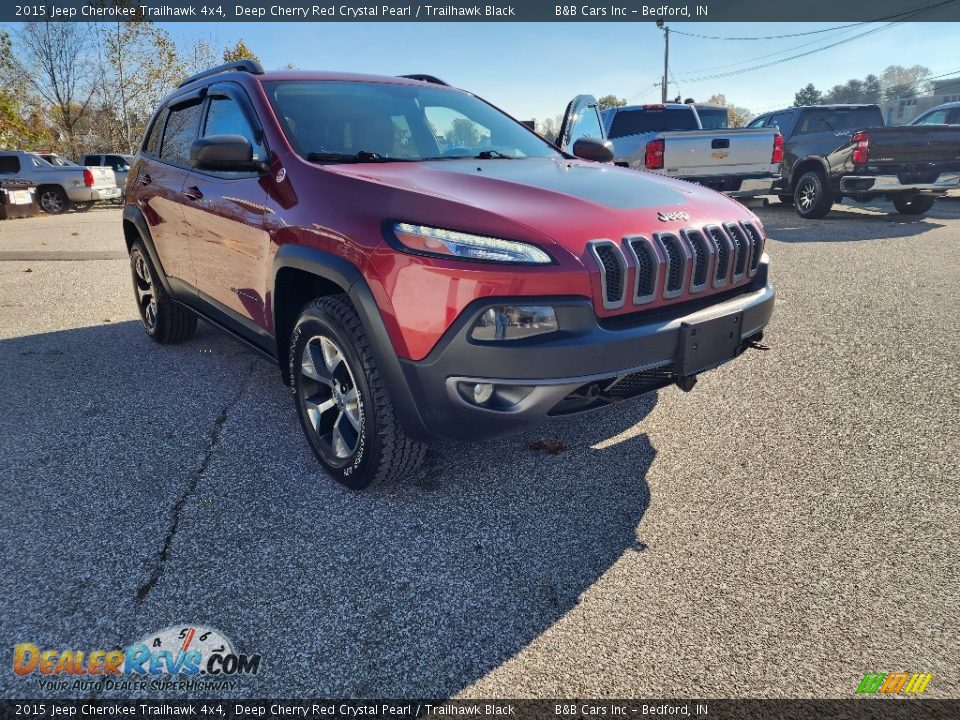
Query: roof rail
x: 426, y: 78
x: 250, y: 66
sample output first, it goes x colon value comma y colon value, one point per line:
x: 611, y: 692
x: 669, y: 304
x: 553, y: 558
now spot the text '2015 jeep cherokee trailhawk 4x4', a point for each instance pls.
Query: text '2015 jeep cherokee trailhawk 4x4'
x: 423, y: 266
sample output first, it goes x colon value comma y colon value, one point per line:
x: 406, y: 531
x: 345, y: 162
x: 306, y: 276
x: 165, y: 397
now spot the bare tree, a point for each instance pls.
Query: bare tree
x: 57, y: 63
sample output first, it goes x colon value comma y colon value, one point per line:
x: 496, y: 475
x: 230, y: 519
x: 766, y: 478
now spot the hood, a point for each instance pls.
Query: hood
x: 568, y: 201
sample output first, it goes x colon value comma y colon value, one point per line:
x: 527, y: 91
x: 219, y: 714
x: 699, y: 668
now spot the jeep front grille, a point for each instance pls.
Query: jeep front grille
x: 613, y: 272
x: 672, y: 265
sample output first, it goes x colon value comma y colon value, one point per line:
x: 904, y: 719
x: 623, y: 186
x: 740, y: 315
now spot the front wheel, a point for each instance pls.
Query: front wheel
x: 342, y: 400
x: 913, y: 205
x: 812, y: 198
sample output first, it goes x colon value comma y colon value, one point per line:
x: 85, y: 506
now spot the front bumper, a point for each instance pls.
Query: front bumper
x: 587, y: 364
x: 880, y: 184
x: 93, y: 194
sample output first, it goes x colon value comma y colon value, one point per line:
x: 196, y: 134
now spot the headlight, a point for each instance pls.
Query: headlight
x: 513, y: 322
x: 450, y: 243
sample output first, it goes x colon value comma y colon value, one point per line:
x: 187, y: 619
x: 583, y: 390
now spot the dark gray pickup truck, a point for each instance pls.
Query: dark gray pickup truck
x: 836, y: 151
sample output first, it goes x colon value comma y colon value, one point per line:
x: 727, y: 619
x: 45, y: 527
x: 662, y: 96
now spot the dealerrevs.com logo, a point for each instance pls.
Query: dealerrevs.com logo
x: 187, y: 657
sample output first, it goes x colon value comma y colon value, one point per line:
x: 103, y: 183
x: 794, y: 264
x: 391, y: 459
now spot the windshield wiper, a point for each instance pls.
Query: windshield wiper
x: 493, y: 154
x: 361, y: 156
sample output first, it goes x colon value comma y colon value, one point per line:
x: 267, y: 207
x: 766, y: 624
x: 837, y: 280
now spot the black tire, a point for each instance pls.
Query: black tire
x: 83, y: 206
x: 165, y: 321
x: 342, y: 401
x: 53, y: 200
x: 913, y: 204
x: 812, y: 198
x: 786, y: 199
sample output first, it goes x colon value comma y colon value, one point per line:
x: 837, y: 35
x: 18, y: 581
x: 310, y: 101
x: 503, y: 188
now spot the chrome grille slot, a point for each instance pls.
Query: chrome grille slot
x: 676, y: 257
x: 646, y: 266
x: 741, y: 248
x: 701, y: 259
x: 613, y: 272
x: 756, y: 241
x: 723, y: 249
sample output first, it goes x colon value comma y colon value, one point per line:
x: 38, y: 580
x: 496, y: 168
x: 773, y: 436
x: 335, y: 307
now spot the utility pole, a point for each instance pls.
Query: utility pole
x: 666, y: 57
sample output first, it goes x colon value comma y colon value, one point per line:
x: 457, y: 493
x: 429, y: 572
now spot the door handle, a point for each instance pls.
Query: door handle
x: 720, y: 143
x: 145, y: 179
x: 193, y: 193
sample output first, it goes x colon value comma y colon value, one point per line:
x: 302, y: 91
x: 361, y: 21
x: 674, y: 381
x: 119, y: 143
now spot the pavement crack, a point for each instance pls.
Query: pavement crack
x: 213, y: 441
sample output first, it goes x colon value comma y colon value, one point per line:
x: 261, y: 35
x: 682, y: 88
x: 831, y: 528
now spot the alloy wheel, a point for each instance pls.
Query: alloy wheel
x: 51, y: 201
x: 331, y: 398
x: 807, y: 195
x: 146, y: 297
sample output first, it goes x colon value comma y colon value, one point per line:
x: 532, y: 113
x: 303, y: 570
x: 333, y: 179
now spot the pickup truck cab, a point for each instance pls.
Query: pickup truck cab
x: 837, y: 151
x: 60, y: 187
x: 419, y: 265
x: 119, y: 163
x: 669, y: 139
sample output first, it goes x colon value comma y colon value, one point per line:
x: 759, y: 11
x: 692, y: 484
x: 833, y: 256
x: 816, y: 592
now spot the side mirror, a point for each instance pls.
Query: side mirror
x: 587, y: 148
x: 226, y: 153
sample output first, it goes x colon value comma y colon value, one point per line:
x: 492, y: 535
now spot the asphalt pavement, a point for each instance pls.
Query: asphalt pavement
x: 786, y: 527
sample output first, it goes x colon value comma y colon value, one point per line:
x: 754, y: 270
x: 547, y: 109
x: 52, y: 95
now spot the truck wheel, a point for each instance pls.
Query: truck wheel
x: 165, y: 321
x: 812, y: 198
x: 785, y: 199
x: 53, y: 200
x: 342, y: 401
x: 914, y: 204
x: 83, y: 206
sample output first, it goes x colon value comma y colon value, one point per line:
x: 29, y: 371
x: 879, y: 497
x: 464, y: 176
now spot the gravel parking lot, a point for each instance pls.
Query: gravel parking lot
x: 788, y: 526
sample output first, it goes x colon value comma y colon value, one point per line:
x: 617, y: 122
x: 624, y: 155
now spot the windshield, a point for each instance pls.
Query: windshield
x: 652, y: 119
x: 349, y: 121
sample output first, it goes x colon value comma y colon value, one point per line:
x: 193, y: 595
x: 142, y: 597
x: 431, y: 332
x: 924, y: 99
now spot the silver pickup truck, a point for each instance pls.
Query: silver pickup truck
x: 669, y: 139
x: 60, y: 187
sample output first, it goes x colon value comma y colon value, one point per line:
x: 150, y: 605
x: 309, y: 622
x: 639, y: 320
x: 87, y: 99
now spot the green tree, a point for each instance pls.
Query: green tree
x: 239, y: 51
x: 463, y: 133
x: 610, y: 101
x: 808, y: 95
x: 142, y: 65
x: 898, y: 81
x: 872, y: 89
x: 56, y: 62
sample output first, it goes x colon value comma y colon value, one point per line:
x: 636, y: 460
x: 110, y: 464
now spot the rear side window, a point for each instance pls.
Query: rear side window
x: 91, y: 160
x: 713, y: 118
x: 937, y: 117
x: 838, y: 119
x: 151, y: 145
x: 9, y: 164
x: 114, y: 161
x: 180, y: 132
x: 634, y: 122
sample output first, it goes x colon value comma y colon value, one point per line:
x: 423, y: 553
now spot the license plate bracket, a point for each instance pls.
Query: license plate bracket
x: 708, y: 343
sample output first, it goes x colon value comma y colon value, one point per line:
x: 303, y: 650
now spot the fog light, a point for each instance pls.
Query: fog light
x: 482, y: 392
x: 514, y: 322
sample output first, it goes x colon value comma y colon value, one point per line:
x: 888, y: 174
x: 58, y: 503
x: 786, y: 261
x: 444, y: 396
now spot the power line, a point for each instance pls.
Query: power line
x: 772, y: 37
x: 815, y: 32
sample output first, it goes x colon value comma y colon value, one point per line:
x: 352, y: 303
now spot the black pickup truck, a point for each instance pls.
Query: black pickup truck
x: 836, y: 151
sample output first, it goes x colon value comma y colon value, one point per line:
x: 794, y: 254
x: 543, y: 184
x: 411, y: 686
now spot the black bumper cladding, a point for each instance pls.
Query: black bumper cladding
x: 587, y: 364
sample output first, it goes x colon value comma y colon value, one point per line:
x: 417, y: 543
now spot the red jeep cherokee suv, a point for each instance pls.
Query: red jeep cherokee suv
x: 420, y: 265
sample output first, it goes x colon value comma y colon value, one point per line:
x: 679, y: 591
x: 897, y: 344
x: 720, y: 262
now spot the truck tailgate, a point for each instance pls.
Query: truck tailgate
x: 915, y: 144
x: 102, y: 177
x: 701, y: 153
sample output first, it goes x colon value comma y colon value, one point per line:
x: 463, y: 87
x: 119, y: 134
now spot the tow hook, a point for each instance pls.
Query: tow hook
x: 686, y: 382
